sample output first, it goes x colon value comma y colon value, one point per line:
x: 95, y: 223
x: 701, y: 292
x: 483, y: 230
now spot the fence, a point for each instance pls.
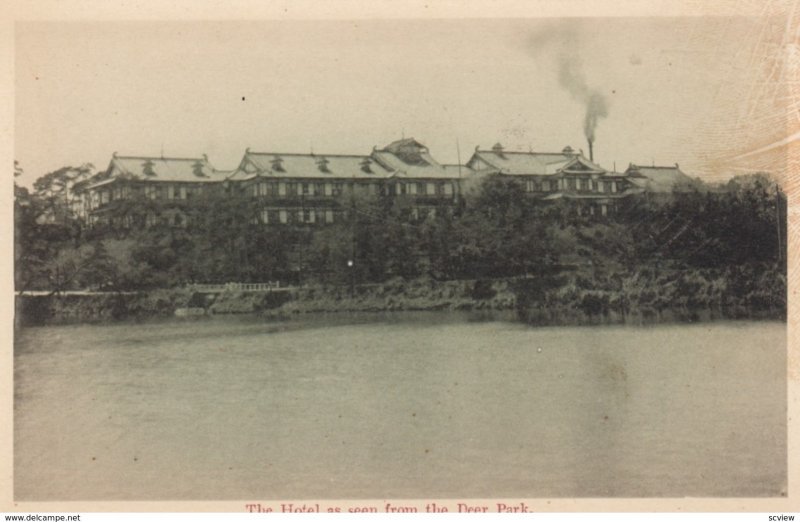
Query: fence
x: 234, y: 287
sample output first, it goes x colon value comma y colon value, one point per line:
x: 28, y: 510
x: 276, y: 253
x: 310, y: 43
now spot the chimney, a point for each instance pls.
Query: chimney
x: 591, y: 152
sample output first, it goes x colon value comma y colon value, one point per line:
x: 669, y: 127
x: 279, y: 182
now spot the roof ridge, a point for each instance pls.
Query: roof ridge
x: 159, y: 158
x: 530, y: 153
x: 308, y: 154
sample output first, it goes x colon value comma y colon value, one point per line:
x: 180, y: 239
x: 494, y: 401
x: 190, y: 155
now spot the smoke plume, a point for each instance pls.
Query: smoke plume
x: 562, y: 42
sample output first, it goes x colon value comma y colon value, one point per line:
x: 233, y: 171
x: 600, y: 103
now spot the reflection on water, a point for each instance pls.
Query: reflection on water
x: 400, y: 405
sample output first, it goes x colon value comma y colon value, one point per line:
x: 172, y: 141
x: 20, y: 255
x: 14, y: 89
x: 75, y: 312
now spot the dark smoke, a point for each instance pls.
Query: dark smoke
x: 564, y: 41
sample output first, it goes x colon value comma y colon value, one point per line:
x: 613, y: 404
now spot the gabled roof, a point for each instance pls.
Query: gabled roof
x: 316, y: 166
x: 409, y: 158
x: 146, y: 168
x: 428, y: 168
x: 658, y: 178
x: 532, y: 163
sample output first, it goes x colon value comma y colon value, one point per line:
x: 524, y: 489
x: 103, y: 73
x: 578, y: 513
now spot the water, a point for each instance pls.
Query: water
x: 404, y: 406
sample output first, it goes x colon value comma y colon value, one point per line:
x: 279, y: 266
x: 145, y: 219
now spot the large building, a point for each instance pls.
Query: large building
x: 133, y: 190
x: 318, y: 189
x: 557, y: 175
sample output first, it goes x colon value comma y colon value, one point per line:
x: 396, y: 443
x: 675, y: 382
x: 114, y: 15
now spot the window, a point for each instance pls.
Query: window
x: 309, y: 216
x: 415, y: 213
x: 184, y: 192
x: 170, y: 191
x: 308, y: 189
x: 412, y: 188
x: 604, y: 210
x: 430, y: 189
x: 282, y: 191
x: 150, y: 191
x: 571, y: 183
x: 584, y: 184
x: 328, y: 189
x: 613, y: 186
x: 329, y: 216
x: 448, y: 189
x: 265, y: 216
x: 151, y: 220
x: 283, y: 216
x: 291, y: 189
x: 529, y: 186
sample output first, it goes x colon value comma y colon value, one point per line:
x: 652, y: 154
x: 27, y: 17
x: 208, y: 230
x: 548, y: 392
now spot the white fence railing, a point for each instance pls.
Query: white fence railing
x: 237, y: 287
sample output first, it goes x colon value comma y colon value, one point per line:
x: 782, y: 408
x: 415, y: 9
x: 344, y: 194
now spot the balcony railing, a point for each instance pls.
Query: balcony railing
x: 236, y: 287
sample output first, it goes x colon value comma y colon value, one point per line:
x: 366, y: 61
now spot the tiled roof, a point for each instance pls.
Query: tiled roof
x: 658, y: 179
x: 426, y: 168
x: 327, y: 166
x: 195, y: 170
x: 530, y: 163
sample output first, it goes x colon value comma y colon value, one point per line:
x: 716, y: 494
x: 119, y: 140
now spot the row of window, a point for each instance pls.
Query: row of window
x: 315, y: 216
x: 582, y: 184
x: 287, y: 216
x: 151, y: 191
x: 323, y: 216
x: 312, y: 217
x: 290, y: 188
x: 172, y: 191
x: 268, y: 217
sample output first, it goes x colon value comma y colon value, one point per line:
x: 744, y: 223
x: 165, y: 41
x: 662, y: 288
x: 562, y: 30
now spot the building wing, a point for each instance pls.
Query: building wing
x: 308, y: 166
x: 159, y: 169
x: 658, y: 178
x: 497, y: 160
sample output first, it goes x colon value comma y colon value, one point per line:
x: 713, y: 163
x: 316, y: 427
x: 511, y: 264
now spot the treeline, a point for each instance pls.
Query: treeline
x: 495, y: 231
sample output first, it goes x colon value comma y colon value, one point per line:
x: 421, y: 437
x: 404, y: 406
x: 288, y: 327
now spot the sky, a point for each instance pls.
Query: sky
x: 704, y: 92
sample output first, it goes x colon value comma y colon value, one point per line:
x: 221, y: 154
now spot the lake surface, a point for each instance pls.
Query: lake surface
x: 398, y: 406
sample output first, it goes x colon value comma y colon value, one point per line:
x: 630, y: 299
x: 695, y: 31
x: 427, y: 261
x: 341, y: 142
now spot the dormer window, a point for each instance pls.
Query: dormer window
x: 498, y: 150
x: 366, y: 165
x: 277, y: 164
x: 322, y: 165
x: 147, y: 168
x: 197, y: 169
x: 568, y: 150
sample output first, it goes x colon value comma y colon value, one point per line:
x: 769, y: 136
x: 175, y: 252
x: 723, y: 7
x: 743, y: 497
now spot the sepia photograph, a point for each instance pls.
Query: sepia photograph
x: 290, y: 262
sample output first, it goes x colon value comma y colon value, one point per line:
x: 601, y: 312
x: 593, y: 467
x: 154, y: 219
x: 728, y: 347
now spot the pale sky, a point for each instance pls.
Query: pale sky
x: 695, y: 91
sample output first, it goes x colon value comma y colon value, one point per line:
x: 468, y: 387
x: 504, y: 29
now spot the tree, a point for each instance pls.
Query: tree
x: 55, y: 191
